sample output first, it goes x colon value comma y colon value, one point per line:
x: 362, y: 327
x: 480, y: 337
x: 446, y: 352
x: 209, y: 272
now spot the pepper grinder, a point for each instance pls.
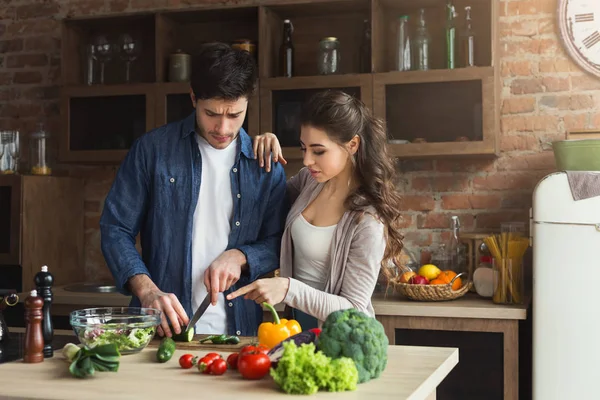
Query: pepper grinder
x: 34, y: 340
x: 43, y: 281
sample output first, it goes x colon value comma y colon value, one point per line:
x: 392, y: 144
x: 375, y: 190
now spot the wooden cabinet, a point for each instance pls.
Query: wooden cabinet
x: 449, y: 112
x: 102, y: 121
x: 41, y: 223
x: 281, y: 100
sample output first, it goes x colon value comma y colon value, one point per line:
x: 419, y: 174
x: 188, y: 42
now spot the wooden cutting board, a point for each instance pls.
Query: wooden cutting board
x: 196, y: 345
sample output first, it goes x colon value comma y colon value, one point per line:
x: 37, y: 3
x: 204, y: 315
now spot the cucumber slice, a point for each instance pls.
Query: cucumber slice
x: 186, y: 336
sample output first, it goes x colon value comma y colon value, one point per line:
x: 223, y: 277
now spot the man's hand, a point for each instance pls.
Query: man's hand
x: 151, y: 296
x: 270, y: 290
x: 224, y: 272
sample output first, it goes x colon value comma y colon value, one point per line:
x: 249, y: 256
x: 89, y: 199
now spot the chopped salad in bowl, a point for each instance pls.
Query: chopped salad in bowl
x: 130, y: 328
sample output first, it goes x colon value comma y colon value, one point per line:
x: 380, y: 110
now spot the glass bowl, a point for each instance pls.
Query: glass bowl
x: 131, y: 328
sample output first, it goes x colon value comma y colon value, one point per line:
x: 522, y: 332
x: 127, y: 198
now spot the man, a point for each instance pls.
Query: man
x: 210, y: 217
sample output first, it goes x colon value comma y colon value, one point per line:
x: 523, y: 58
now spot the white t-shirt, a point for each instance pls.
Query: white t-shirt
x: 211, y: 227
x: 311, y: 252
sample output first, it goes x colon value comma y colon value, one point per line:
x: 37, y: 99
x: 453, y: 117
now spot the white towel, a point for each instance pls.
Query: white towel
x: 584, y: 184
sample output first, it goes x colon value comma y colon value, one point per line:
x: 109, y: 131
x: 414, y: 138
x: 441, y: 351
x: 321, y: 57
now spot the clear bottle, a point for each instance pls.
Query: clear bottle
x: 422, y: 42
x: 39, y: 155
x: 450, y: 36
x: 403, y: 59
x: 287, y: 50
x: 329, y: 56
x: 365, y: 49
x: 467, y: 41
x: 456, y: 249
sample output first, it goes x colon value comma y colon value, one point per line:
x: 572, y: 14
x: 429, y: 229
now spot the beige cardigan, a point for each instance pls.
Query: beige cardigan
x: 356, y: 252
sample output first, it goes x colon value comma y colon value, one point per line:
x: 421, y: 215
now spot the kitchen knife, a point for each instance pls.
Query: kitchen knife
x: 199, y: 312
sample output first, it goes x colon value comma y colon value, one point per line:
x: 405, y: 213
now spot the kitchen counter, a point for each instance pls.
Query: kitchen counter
x: 412, y: 373
x: 469, y: 306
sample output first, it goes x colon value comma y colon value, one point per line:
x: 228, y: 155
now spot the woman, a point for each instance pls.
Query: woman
x: 343, y: 223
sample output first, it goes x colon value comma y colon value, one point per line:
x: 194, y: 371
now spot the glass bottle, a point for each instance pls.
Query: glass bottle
x: 39, y: 156
x: 421, y: 44
x: 450, y: 36
x: 403, y: 60
x: 456, y: 249
x: 365, y: 49
x: 329, y: 56
x: 467, y: 40
x: 287, y: 50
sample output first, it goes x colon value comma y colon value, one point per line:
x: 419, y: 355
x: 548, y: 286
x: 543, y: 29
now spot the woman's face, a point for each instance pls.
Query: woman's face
x: 323, y: 157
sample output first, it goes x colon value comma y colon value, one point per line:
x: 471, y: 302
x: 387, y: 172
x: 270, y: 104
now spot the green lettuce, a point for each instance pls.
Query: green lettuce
x: 303, y: 370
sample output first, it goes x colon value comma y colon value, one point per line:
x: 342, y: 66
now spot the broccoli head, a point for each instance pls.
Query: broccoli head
x: 352, y: 333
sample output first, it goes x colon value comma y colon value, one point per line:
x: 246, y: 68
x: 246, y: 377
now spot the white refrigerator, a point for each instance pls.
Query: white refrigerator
x: 566, y: 292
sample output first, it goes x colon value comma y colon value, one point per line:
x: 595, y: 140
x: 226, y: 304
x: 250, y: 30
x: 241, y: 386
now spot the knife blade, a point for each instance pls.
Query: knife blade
x: 201, y: 309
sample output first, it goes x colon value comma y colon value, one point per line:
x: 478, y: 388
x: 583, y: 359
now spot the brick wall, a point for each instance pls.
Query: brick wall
x: 543, y: 95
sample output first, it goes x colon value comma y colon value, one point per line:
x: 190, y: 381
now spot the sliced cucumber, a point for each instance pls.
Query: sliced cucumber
x: 186, y: 336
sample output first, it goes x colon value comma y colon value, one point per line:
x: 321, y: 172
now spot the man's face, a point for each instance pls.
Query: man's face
x: 219, y: 121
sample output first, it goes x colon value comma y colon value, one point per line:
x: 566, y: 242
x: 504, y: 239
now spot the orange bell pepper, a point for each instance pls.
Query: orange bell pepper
x: 270, y: 334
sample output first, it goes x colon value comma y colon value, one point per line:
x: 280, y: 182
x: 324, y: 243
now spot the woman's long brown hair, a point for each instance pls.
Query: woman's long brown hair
x: 343, y: 117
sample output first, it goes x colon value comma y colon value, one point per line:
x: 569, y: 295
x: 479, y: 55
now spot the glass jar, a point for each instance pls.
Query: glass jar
x: 39, y: 152
x: 328, y: 61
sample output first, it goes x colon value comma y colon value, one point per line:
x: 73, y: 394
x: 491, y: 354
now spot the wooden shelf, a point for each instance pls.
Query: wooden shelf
x: 312, y: 21
x: 385, y: 14
x: 413, y: 103
x: 78, y: 33
x: 101, y: 121
x: 286, y: 95
x: 188, y: 30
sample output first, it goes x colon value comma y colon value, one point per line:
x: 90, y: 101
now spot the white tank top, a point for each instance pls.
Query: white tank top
x: 311, y: 252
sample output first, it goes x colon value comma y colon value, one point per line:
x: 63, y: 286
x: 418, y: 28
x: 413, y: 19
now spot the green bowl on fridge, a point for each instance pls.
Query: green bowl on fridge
x: 577, y: 155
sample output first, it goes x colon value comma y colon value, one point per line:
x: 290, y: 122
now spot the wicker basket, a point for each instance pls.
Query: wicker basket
x: 431, y: 292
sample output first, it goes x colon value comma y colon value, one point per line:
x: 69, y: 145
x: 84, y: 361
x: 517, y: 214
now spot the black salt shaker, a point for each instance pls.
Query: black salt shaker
x: 43, y: 281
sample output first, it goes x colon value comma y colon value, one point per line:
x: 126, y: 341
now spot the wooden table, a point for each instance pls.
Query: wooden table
x: 412, y: 373
x: 470, y: 313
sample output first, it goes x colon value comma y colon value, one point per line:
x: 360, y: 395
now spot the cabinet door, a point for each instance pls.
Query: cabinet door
x: 10, y: 220
x: 100, y: 124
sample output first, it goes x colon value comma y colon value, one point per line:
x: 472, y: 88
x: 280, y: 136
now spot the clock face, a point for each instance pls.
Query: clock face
x: 579, y: 22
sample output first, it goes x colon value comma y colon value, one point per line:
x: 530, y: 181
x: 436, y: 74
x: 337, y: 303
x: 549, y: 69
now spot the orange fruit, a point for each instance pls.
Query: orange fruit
x: 438, y: 281
x: 447, y: 277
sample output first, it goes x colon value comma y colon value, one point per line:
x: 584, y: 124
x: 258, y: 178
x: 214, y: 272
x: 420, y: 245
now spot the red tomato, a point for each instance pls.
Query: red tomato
x: 251, y: 349
x: 232, y: 360
x: 187, y: 361
x: 212, y: 356
x: 218, y: 367
x: 204, y: 364
x: 254, y: 365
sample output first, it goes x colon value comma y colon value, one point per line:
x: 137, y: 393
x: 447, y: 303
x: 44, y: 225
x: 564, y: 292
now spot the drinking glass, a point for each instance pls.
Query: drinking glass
x: 103, y: 53
x: 130, y: 51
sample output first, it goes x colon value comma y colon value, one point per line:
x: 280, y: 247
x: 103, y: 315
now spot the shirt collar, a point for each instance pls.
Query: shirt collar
x: 243, y: 140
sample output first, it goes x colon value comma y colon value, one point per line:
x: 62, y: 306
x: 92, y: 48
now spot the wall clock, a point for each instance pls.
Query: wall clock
x: 579, y: 25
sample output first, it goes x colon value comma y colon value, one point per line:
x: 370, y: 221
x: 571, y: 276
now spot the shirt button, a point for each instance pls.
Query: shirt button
x: 172, y: 180
x: 239, y: 196
x: 230, y: 304
x: 235, y: 170
x: 238, y: 333
x: 237, y: 223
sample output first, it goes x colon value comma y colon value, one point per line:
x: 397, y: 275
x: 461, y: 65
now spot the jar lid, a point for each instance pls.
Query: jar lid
x: 329, y: 39
x: 403, y: 17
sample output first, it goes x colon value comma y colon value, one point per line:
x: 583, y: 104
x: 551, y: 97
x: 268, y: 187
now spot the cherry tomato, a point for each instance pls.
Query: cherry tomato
x: 187, y: 361
x: 254, y: 365
x: 218, y: 367
x: 232, y: 360
x: 212, y: 356
x: 204, y: 364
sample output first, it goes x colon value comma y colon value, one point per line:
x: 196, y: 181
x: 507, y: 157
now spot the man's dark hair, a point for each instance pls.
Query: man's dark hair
x: 222, y: 72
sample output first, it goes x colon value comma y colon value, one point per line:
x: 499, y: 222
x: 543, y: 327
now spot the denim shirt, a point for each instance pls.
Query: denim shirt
x: 155, y: 193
